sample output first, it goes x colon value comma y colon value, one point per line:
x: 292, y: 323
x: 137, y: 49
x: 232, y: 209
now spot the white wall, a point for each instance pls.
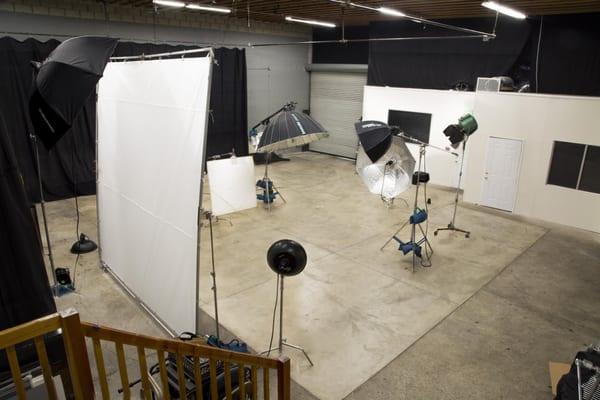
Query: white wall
x: 538, y: 120
x: 276, y: 75
x: 445, y: 107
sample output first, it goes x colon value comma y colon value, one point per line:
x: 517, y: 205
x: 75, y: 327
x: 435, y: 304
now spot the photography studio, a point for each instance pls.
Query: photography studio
x: 300, y: 199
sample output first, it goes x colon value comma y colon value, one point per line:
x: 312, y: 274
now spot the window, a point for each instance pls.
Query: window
x: 590, y: 175
x: 575, y: 166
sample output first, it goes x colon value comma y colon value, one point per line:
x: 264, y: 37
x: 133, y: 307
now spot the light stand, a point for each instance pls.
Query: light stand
x: 213, y: 273
x: 451, y: 226
x: 414, y: 245
x: 269, y: 191
x: 286, y: 258
x: 418, y: 216
x: 55, y: 287
x: 282, y: 340
x: 457, y: 133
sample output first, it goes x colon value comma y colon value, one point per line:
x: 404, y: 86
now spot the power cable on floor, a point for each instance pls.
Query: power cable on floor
x: 274, y: 316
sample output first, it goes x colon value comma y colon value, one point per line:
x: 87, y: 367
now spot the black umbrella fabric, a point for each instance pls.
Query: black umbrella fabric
x: 64, y: 81
x: 375, y: 138
x: 290, y: 128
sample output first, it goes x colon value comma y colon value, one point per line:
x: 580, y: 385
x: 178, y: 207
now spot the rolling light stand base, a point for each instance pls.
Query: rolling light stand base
x: 293, y: 346
x: 282, y: 341
x: 451, y: 227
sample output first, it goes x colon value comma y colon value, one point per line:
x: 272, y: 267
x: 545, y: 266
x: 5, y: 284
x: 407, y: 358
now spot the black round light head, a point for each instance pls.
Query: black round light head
x: 83, y: 245
x: 286, y: 257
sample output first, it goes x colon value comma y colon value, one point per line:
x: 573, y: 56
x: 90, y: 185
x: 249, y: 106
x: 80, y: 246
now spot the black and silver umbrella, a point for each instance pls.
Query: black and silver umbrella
x: 375, y: 138
x: 63, y: 83
x: 289, y: 128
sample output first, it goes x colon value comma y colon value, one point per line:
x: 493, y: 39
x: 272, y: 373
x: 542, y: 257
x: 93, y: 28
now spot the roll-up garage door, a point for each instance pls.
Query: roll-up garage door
x: 336, y: 102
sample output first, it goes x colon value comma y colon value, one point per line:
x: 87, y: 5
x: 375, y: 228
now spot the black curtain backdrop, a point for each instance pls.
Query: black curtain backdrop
x: 568, y: 62
x: 336, y: 53
x: 228, y: 123
x: 69, y: 167
x: 569, y: 58
x: 24, y: 288
x: 228, y: 119
x: 442, y: 64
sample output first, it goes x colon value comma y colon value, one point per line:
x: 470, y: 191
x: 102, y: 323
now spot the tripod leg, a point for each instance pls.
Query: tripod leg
x: 426, y: 240
x: 391, y: 238
x: 278, y: 192
x: 293, y: 346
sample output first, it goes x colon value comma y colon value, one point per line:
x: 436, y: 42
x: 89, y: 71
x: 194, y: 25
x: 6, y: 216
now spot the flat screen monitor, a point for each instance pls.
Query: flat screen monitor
x: 414, y: 124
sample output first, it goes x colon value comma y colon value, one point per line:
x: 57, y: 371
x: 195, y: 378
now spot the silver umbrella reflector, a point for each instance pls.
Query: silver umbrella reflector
x: 391, y: 174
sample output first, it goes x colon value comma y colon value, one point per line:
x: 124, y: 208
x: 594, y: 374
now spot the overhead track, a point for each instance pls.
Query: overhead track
x: 393, y: 39
x: 472, y: 33
x: 182, y: 53
x: 485, y: 35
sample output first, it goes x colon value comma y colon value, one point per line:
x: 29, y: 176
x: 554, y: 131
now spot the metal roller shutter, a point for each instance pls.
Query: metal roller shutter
x: 336, y: 102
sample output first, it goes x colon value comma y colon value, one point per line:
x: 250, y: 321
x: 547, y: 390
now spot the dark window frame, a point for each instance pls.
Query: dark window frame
x: 556, y: 172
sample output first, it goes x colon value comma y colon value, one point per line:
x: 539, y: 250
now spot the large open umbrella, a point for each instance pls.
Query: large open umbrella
x: 63, y: 83
x: 286, y: 128
x: 391, y: 174
x: 289, y: 128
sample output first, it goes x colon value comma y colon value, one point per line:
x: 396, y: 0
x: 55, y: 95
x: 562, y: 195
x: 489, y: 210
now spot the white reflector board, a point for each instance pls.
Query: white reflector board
x: 151, y: 139
x: 232, y: 184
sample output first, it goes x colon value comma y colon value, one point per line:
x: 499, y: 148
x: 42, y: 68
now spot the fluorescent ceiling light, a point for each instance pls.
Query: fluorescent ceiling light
x: 391, y: 11
x: 310, y: 22
x: 208, y: 8
x: 169, y: 3
x: 511, y: 12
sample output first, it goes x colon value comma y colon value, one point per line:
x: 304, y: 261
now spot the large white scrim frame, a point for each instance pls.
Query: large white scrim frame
x: 152, y: 119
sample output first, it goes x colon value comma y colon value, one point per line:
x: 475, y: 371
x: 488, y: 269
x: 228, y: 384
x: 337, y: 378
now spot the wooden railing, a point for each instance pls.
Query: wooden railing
x: 195, y: 353
x: 74, y: 333
x: 68, y: 322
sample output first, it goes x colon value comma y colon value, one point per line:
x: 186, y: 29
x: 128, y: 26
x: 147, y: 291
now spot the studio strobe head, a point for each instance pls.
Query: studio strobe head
x: 286, y: 257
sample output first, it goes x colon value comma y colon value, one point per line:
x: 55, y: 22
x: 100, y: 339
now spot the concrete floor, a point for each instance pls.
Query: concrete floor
x: 482, y: 322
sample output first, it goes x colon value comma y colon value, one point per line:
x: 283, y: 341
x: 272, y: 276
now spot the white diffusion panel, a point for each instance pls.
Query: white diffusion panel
x: 151, y: 138
x: 232, y: 184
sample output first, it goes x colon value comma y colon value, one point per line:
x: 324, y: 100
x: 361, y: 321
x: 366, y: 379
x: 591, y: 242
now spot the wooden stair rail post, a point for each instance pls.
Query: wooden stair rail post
x: 77, y: 356
x: 283, y: 379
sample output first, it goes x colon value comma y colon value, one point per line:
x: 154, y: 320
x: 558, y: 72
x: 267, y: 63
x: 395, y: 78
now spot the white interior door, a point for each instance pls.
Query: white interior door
x: 501, y: 175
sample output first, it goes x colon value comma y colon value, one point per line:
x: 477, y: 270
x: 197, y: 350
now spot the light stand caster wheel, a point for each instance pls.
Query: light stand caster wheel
x: 467, y: 235
x: 435, y: 233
